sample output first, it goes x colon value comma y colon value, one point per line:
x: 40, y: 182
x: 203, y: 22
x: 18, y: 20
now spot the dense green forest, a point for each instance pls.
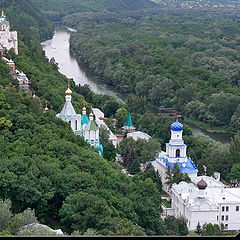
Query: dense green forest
x: 185, y: 59
x: 56, y: 9
x: 45, y: 167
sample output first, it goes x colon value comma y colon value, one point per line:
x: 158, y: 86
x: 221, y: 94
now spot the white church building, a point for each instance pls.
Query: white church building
x: 8, y: 39
x: 176, y: 153
x: 80, y: 123
x: 206, y: 200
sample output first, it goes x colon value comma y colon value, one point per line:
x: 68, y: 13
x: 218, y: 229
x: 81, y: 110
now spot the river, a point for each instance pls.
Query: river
x: 58, y: 47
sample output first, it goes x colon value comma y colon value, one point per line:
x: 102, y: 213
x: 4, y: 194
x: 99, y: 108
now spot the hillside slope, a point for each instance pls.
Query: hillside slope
x: 26, y: 18
x: 66, y: 7
x: 46, y: 167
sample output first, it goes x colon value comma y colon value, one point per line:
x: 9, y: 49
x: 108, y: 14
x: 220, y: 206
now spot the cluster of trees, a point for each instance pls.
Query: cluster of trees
x: 198, y: 4
x: 11, y: 223
x: 136, y: 152
x: 209, y: 229
x: 25, y: 17
x: 63, y: 7
x: 161, y: 56
x: 46, y: 167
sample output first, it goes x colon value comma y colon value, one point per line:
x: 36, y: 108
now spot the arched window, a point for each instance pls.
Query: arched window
x: 76, y: 123
x: 178, y: 153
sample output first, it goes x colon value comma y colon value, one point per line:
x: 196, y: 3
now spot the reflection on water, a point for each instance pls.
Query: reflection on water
x: 224, y: 138
x: 58, y: 47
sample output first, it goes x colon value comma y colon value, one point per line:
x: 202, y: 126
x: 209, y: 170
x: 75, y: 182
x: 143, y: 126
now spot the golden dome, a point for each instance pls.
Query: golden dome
x: 68, y: 91
x: 46, y: 109
x: 84, y: 109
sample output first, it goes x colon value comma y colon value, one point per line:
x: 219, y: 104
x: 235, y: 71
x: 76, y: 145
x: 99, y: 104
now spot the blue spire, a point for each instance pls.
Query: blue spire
x: 177, y: 126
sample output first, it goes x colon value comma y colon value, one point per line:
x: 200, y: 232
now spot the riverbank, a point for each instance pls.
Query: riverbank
x: 208, y: 128
x: 58, y: 47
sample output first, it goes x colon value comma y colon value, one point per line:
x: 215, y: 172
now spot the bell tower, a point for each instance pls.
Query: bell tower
x: 176, y: 150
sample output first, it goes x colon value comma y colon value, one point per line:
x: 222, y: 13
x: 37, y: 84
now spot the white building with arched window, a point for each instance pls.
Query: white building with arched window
x: 176, y: 153
x: 206, y: 200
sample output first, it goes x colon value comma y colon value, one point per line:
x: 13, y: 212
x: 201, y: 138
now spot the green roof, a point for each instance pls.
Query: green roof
x: 100, y: 149
x: 93, y: 126
x: 85, y: 119
x: 128, y: 121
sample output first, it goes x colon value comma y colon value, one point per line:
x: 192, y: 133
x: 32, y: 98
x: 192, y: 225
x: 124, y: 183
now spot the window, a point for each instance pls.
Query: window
x: 223, y: 208
x: 222, y: 217
x: 227, y: 208
x: 226, y: 226
x: 217, y: 218
x: 237, y: 208
x: 178, y: 153
x: 76, y: 124
x: 226, y: 218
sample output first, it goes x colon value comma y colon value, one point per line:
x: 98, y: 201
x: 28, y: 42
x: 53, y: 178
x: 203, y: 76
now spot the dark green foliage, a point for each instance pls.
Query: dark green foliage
x: 175, y: 176
x: 134, y: 167
x: 63, y: 7
x: 45, y: 166
x: 175, y: 226
x: 25, y: 17
x: 143, y: 150
x: 161, y: 57
x: 149, y: 172
x: 198, y: 229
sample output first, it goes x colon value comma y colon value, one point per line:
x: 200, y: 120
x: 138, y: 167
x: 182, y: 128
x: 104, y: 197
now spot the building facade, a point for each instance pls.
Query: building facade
x: 206, y: 200
x: 80, y: 124
x: 8, y: 39
x: 176, y: 153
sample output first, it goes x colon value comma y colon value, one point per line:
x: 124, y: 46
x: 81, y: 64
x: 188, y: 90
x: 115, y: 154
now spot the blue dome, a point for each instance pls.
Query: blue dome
x: 177, y: 126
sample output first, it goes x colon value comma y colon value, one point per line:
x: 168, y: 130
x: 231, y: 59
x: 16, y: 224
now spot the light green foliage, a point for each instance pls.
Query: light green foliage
x: 212, y: 229
x: 235, y: 120
x: 22, y: 219
x: 5, y: 214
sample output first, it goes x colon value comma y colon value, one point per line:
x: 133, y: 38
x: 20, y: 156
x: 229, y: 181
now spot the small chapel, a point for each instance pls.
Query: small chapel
x: 8, y: 39
x: 176, y: 153
x: 81, y: 124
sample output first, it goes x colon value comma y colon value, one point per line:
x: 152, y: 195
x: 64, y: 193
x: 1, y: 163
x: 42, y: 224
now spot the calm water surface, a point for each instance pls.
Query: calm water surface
x: 58, y: 47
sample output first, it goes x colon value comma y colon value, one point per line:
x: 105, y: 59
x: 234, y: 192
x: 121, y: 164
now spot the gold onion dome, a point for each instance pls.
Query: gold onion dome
x: 91, y: 115
x: 84, y: 109
x: 68, y: 91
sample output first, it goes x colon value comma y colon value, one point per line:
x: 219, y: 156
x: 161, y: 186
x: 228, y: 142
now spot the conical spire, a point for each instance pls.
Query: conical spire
x: 68, y: 109
x: 128, y: 121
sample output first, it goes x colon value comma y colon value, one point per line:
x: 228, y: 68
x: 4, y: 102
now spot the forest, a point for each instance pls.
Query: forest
x: 162, y: 56
x: 65, y: 183
x: 185, y: 59
x: 48, y: 173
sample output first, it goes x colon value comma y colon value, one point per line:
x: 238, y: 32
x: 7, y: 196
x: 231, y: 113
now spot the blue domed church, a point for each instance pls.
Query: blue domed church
x: 176, y: 153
